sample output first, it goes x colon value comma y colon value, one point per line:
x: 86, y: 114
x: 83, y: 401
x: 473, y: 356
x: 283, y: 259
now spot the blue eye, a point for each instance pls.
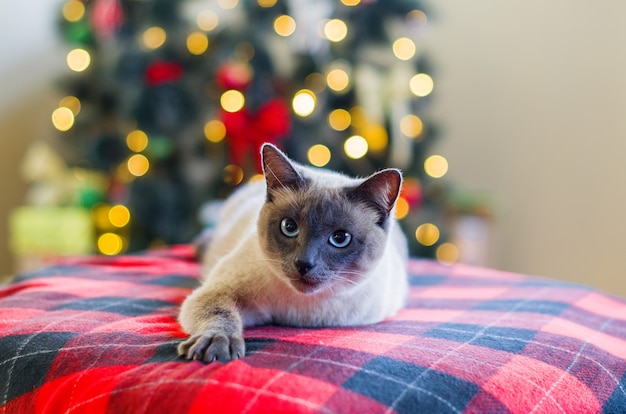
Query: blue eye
x: 340, y: 239
x: 289, y: 227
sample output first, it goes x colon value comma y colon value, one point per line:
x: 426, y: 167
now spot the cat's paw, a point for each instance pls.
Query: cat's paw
x: 209, y: 347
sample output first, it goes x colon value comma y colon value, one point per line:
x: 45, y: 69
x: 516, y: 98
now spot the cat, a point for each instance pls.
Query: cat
x: 305, y: 247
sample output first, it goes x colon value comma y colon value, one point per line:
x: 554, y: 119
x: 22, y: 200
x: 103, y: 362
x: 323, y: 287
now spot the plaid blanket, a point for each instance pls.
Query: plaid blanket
x: 99, y: 335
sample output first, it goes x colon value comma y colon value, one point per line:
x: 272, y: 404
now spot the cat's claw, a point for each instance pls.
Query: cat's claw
x: 209, y: 347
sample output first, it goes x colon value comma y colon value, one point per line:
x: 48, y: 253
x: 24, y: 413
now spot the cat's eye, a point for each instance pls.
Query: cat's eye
x: 289, y: 227
x: 340, y: 238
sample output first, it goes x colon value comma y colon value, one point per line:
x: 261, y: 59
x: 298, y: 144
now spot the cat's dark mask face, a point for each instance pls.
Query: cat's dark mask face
x: 319, y: 237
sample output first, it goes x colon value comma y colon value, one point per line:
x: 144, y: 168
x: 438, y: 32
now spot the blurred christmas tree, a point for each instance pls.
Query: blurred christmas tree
x: 170, y: 101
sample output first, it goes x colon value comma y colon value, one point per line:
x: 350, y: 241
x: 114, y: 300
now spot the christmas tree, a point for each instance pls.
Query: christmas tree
x: 168, y: 102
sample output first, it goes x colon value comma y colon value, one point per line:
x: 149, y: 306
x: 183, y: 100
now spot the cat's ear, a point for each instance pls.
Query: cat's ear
x: 380, y: 190
x: 279, y: 170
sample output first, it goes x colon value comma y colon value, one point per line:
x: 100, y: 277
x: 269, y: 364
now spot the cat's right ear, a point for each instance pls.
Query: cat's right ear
x: 278, y: 170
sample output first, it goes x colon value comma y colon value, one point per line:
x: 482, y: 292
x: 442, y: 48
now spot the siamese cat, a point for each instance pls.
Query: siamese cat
x: 305, y: 247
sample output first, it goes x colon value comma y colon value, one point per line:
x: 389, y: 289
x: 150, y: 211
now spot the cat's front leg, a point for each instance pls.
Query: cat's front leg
x: 214, y: 323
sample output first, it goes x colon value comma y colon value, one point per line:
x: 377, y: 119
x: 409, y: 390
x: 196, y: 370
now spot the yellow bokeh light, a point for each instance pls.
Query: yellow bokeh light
x: 73, y: 10
x: 421, y: 84
x: 232, y: 100
x: 337, y: 80
x: 436, y: 166
x: 319, y: 155
x: 339, y: 119
x: 376, y: 136
x: 63, y: 118
x: 233, y: 174
x: 137, y: 140
x: 427, y: 234
x: 284, y: 25
x: 72, y: 103
x: 138, y: 165
x: 447, y: 253
x: 154, y: 37
x: 78, y: 60
x: 228, y: 4
x: 303, y: 103
x: 355, y: 147
x: 350, y: 2
x: 119, y: 215
x: 402, y: 208
x: 110, y: 244
x: 266, y: 3
x: 335, y: 30
x: 403, y: 48
x: 207, y: 20
x: 215, y: 131
x: 411, y: 126
x: 197, y: 43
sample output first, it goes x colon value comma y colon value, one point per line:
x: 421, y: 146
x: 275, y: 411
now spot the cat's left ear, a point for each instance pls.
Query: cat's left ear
x: 279, y: 170
x: 380, y: 190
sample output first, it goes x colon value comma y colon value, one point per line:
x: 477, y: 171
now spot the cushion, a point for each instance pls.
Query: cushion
x: 96, y: 334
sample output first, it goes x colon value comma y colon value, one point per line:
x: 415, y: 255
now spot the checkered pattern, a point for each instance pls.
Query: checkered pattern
x: 100, y: 334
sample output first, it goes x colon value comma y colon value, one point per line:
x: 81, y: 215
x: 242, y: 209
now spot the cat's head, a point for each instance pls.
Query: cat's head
x: 322, y: 231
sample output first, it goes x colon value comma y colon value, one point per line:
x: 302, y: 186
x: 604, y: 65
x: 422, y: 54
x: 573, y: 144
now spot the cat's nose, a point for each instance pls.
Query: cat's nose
x: 303, y: 266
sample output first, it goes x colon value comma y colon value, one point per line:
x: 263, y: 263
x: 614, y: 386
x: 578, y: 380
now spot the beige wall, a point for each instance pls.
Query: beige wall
x: 532, y: 99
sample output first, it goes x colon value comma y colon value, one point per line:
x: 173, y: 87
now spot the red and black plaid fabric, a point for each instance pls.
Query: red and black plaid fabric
x: 99, y: 335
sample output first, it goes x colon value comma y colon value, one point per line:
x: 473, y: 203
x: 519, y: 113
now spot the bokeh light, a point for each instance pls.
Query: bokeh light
x: 207, y: 20
x: 233, y: 174
x: 119, y: 215
x: 403, y: 48
x: 335, y: 30
x: 72, y: 103
x: 266, y: 3
x: 78, y: 60
x: 350, y: 2
x: 402, y: 208
x: 197, y: 43
x: 110, y: 244
x: 73, y: 10
x: 63, y: 118
x: 436, y: 166
x: 427, y: 234
x: 355, y: 147
x: 137, y: 140
x: 447, y: 253
x: 228, y: 4
x: 215, y: 130
x: 376, y: 136
x: 232, y: 100
x: 284, y: 25
x: 303, y: 103
x: 339, y: 119
x: 319, y: 155
x: 337, y: 80
x: 138, y: 165
x: 421, y: 85
x: 411, y: 126
x: 154, y: 37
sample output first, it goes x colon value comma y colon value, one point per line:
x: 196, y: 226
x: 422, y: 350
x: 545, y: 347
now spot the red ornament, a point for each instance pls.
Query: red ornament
x: 248, y: 131
x: 160, y: 72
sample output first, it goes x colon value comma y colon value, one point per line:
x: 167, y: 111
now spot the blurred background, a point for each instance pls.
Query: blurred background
x: 508, y: 120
